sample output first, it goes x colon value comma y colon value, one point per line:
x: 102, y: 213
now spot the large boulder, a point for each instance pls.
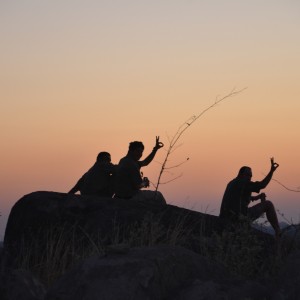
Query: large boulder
x: 161, y: 272
x: 50, y: 234
x: 21, y: 284
x: 38, y: 216
x: 288, y: 277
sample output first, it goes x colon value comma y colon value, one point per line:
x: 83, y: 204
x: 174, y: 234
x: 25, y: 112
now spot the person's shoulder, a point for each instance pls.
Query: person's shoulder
x: 126, y: 161
x: 233, y: 181
x: 107, y: 166
x: 237, y: 182
x: 123, y: 159
x: 241, y: 180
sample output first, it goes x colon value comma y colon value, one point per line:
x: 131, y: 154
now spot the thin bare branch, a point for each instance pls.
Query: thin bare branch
x: 183, y: 127
x: 165, y: 182
x: 178, y: 165
x: 289, y: 189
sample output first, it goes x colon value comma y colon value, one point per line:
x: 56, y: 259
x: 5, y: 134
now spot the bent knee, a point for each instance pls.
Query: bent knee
x: 268, y: 204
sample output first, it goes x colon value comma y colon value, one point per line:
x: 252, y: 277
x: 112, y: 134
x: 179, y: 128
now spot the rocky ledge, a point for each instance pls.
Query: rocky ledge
x: 60, y: 246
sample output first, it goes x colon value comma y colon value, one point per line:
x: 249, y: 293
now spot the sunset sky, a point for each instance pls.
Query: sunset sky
x: 80, y: 77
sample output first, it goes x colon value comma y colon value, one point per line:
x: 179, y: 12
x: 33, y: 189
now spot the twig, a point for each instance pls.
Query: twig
x: 182, y: 128
x: 91, y: 241
x: 178, y: 165
x: 165, y: 182
x: 290, y: 222
x: 291, y: 190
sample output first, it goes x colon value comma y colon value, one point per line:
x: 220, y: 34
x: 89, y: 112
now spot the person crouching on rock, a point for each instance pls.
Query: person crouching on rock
x: 129, y: 180
x: 98, y: 180
x: 238, y: 195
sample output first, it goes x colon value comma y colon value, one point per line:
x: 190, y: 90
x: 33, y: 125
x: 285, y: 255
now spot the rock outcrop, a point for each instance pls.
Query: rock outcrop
x: 21, y: 284
x: 139, y: 251
x: 141, y: 274
x: 37, y: 215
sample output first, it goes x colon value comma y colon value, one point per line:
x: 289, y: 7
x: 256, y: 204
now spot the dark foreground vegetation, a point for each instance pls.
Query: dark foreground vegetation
x: 60, y: 246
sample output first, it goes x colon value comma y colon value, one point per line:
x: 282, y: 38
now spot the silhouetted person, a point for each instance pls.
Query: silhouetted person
x: 238, y: 195
x: 98, y: 180
x: 129, y: 181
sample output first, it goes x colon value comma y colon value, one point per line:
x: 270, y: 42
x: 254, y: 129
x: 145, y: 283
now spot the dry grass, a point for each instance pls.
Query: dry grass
x: 240, y: 251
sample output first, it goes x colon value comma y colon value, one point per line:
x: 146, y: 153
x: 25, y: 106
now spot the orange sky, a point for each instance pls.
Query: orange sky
x: 80, y: 77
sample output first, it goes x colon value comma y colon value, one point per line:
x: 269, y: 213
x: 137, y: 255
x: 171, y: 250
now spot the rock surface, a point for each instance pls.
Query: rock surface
x: 21, y: 284
x: 39, y: 214
x: 45, y: 222
x: 144, y: 273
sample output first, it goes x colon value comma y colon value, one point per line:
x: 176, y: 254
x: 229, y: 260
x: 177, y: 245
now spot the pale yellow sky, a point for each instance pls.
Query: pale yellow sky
x: 78, y: 77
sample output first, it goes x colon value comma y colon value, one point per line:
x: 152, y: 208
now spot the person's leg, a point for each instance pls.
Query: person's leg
x: 267, y: 207
x: 272, y: 216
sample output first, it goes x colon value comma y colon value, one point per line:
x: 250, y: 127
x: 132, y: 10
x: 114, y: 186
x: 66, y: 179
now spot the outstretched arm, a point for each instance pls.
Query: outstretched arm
x: 150, y: 157
x: 268, y: 178
x: 77, y: 186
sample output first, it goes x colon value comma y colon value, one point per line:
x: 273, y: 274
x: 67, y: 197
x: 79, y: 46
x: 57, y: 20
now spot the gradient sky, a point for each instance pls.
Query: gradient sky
x: 79, y: 77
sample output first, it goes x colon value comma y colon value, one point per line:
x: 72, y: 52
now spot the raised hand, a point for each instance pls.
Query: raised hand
x: 158, y: 144
x: 274, y: 165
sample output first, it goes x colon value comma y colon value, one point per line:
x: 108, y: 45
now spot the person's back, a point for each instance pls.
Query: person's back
x: 237, y: 198
x: 98, y: 180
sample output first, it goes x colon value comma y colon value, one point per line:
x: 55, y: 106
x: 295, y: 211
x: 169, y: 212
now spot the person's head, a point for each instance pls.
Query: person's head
x: 103, y: 157
x: 245, y: 172
x: 136, y: 149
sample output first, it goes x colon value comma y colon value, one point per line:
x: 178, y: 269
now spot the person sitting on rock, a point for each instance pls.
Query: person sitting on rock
x: 98, y: 180
x: 238, y: 195
x: 129, y: 180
